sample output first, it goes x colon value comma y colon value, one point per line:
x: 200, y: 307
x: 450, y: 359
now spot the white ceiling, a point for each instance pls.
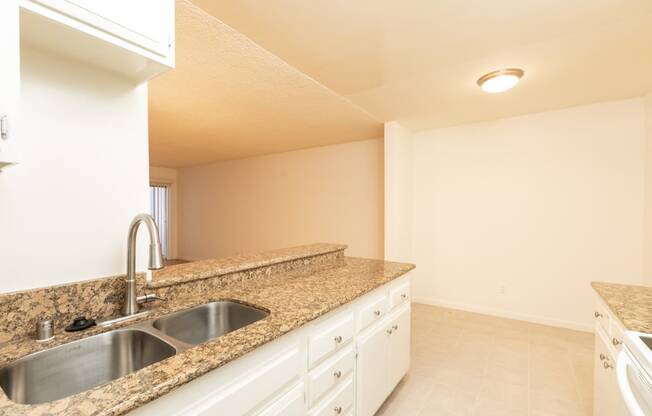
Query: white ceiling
x: 417, y: 61
x: 229, y: 98
x: 414, y: 61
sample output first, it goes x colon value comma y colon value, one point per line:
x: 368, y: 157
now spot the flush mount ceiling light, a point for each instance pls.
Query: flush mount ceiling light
x: 501, y: 80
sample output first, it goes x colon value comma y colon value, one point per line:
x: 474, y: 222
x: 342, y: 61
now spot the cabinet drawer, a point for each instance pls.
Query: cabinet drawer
x: 399, y: 294
x: 373, y: 310
x: 330, y: 336
x: 330, y: 374
x: 616, y: 334
x: 339, y: 403
x: 289, y: 404
x: 601, y: 315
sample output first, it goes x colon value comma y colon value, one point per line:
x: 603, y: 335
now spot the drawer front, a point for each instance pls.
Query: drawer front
x: 601, y: 315
x: 399, y: 294
x: 330, y: 374
x: 289, y: 404
x: 373, y: 310
x: 340, y: 403
x: 330, y: 336
x: 617, y: 334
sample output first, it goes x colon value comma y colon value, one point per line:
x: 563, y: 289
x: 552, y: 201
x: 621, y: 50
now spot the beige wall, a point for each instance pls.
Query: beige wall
x: 398, y: 192
x: 67, y: 206
x: 325, y: 194
x: 516, y: 217
x: 169, y: 177
x: 648, y: 192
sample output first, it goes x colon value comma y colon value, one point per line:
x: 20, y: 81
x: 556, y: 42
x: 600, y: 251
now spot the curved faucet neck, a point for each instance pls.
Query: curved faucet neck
x: 130, y: 305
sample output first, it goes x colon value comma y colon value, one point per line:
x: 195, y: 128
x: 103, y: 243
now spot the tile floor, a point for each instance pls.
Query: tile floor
x: 467, y: 364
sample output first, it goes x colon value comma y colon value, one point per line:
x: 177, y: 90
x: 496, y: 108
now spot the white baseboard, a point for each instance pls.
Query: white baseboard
x: 577, y: 326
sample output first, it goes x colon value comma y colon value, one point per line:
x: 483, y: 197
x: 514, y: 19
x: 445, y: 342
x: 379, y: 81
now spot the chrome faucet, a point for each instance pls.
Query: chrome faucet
x: 132, y: 302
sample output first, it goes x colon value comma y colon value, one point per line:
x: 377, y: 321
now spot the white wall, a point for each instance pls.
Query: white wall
x: 328, y: 194
x: 169, y: 176
x: 398, y: 192
x: 516, y: 217
x: 66, y: 208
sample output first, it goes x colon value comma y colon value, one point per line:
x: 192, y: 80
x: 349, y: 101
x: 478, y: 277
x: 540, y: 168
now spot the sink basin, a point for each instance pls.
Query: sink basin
x: 205, y: 322
x: 81, y: 365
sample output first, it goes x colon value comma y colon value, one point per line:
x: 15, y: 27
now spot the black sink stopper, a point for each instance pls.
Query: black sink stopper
x: 80, y: 323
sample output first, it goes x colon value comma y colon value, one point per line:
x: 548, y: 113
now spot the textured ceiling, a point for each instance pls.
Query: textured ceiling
x: 417, y: 61
x: 229, y: 98
x: 290, y: 74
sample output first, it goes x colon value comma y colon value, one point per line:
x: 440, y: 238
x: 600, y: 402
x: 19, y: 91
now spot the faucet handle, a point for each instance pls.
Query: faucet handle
x: 149, y: 297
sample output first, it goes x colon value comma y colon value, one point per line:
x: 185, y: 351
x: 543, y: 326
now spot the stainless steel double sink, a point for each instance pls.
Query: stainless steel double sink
x: 80, y: 365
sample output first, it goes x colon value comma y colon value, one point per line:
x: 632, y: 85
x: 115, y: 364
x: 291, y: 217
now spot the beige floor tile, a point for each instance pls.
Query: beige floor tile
x: 468, y: 364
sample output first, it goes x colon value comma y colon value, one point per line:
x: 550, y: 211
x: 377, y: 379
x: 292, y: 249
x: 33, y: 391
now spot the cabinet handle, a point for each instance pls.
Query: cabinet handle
x: 337, y: 374
x: 598, y: 314
x: 389, y: 331
x: 338, y: 410
x: 338, y: 339
x: 602, y: 357
x: 616, y: 341
x: 606, y: 365
x: 395, y: 327
x: 377, y: 312
x: 404, y: 295
x: 4, y: 126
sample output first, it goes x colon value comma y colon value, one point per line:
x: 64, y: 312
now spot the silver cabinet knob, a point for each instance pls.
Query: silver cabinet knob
x: 338, y: 410
x: 616, y: 341
x: 597, y: 314
x: 404, y: 295
x: 338, y: 339
x: 337, y: 374
x: 606, y: 365
x: 602, y: 357
x: 377, y: 312
x: 390, y: 331
x: 395, y: 327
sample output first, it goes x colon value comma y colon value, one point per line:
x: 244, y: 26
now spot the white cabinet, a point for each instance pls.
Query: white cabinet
x: 383, y: 360
x: 372, y: 370
x: 144, y: 23
x: 133, y: 38
x: 607, y: 400
x: 9, y: 82
x: 399, y: 346
x: 253, y: 384
x: 327, y: 367
x: 330, y: 336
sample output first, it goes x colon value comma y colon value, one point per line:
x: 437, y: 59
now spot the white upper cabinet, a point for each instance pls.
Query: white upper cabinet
x: 134, y: 38
x: 9, y: 82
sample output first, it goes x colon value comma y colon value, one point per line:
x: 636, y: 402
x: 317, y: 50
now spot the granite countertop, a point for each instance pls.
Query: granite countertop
x: 293, y: 298
x: 631, y: 304
x: 203, y: 269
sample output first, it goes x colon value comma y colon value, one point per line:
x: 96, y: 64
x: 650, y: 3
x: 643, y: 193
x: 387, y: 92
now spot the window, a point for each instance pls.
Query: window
x: 159, y: 207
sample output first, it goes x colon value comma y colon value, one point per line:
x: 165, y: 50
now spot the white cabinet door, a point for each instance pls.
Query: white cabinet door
x: 607, y: 400
x: 9, y: 80
x: 399, y: 346
x: 371, y: 373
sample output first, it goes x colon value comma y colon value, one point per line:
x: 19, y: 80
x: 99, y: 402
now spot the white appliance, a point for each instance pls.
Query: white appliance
x: 634, y: 373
